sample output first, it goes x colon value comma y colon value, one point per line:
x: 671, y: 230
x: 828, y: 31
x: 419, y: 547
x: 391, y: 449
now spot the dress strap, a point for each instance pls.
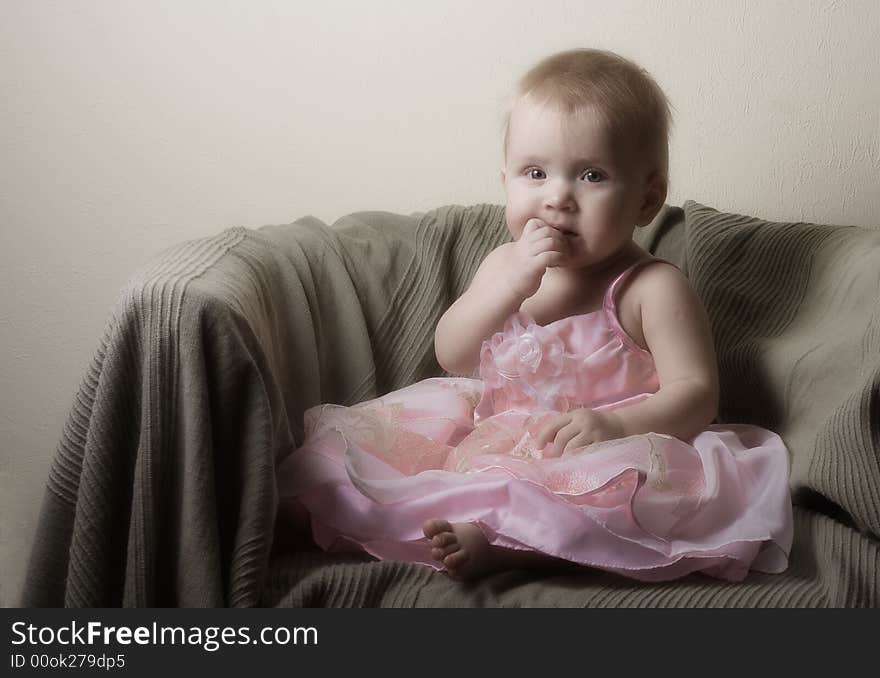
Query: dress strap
x: 610, y: 303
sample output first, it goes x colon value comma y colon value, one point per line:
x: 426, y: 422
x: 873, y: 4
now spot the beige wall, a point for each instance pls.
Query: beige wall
x: 128, y: 126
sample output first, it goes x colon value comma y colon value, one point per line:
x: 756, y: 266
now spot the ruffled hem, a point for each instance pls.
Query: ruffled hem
x: 618, y: 523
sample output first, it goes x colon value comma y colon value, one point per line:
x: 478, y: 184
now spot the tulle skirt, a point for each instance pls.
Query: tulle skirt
x: 650, y: 507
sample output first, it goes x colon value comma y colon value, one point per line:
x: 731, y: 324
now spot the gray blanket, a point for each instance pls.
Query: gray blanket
x: 162, y: 489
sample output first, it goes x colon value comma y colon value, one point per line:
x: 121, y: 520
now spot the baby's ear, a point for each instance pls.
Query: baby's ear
x: 655, y: 195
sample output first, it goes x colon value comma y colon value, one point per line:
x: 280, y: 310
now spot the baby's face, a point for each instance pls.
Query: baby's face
x: 568, y: 172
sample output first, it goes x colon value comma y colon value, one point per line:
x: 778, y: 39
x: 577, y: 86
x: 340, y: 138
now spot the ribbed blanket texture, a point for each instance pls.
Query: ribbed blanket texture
x: 162, y: 491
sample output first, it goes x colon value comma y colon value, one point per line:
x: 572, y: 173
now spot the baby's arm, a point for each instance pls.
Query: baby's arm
x: 677, y: 333
x: 509, y: 275
x: 475, y: 316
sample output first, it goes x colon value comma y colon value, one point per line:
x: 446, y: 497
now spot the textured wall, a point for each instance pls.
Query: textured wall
x: 128, y: 126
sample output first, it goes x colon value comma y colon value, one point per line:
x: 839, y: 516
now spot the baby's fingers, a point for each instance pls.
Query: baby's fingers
x: 551, y: 259
x: 564, y: 437
x: 532, y: 225
x: 549, y: 428
x: 550, y: 250
x: 574, y: 445
x: 545, y: 236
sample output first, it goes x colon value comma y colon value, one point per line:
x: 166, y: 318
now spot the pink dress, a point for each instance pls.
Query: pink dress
x: 651, y: 506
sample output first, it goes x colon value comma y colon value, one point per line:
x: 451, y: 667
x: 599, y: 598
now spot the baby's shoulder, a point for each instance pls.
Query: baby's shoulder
x: 654, y: 287
x: 656, y: 277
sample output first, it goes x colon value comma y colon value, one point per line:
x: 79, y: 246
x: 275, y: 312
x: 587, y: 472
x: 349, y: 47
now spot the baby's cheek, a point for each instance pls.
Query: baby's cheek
x: 515, y: 227
x: 517, y: 215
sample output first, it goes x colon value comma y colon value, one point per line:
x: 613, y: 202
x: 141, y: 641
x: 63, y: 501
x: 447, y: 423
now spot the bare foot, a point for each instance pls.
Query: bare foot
x: 461, y: 548
x: 464, y: 551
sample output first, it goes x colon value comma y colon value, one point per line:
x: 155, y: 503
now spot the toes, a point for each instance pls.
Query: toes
x: 435, y: 526
x: 444, y: 539
x: 446, y: 546
x: 442, y: 543
x: 455, y: 561
x: 440, y: 554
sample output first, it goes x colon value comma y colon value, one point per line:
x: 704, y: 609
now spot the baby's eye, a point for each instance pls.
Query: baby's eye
x: 536, y: 173
x: 593, y: 176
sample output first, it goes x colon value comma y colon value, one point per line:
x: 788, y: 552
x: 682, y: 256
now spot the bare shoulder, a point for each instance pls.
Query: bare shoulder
x: 661, y: 281
x: 656, y: 291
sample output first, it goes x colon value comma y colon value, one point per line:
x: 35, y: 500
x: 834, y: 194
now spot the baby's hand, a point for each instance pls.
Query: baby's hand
x: 539, y: 247
x: 578, y: 428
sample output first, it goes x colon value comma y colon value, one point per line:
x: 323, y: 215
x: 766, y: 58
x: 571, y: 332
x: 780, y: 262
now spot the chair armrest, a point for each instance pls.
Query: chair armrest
x: 162, y: 490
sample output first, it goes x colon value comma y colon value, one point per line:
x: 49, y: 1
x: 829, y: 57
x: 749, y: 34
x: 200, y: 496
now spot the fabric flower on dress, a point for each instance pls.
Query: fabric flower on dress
x: 524, y: 366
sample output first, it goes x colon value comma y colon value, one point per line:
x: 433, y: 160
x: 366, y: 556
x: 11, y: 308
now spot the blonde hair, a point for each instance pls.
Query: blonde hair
x: 624, y: 96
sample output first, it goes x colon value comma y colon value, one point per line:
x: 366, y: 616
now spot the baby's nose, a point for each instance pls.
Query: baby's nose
x: 560, y: 195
